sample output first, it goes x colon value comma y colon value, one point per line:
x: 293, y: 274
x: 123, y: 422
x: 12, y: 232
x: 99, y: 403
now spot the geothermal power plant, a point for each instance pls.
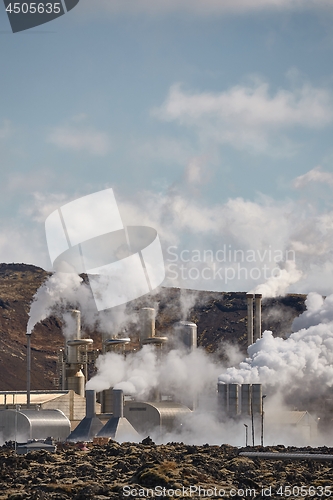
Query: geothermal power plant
x: 74, y: 413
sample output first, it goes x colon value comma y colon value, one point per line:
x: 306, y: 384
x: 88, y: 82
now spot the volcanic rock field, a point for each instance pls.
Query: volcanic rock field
x: 173, y: 470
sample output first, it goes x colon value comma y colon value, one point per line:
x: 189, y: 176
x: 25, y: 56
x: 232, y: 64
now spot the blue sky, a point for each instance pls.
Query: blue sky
x: 194, y: 111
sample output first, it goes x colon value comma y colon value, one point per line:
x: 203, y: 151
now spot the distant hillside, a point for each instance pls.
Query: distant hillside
x: 219, y: 316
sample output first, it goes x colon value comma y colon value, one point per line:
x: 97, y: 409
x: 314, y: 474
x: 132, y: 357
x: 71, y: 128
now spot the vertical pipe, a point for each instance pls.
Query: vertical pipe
x: 77, y: 316
x: 257, y: 335
x: 28, y: 369
x: 147, y: 323
x: 252, y: 417
x: 186, y: 332
x: 118, y: 403
x: 246, y: 399
x: 249, y: 297
x: 90, y: 404
x: 257, y: 399
x: 222, y: 398
x: 234, y: 399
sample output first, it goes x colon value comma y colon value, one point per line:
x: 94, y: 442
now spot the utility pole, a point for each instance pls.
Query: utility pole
x: 262, y: 419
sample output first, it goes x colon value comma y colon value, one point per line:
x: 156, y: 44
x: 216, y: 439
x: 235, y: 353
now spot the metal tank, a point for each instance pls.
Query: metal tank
x: 159, y: 416
x: 22, y: 425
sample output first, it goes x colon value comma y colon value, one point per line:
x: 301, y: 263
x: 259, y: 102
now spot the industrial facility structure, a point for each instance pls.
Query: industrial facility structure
x: 75, y: 414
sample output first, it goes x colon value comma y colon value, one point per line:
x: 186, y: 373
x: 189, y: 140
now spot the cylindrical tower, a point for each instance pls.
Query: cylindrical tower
x: 147, y: 323
x: 90, y: 403
x: 257, y: 399
x: 257, y: 334
x: 249, y: 297
x: 76, y: 357
x: 246, y: 399
x: 222, y: 398
x: 75, y: 379
x: 234, y: 393
x: 118, y: 403
x: 186, y: 332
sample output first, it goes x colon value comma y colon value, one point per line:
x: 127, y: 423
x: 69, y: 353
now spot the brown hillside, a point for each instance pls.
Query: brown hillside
x: 219, y: 316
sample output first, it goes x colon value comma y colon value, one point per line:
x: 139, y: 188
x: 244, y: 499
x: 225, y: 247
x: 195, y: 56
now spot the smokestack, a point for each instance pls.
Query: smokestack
x: 77, y: 316
x: 222, y: 398
x: 118, y: 403
x: 90, y: 404
x: 257, y: 399
x: 249, y: 297
x: 186, y: 332
x: 147, y: 324
x: 234, y: 393
x: 76, y: 357
x: 246, y: 399
x: 257, y: 334
x: 118, y: 427
x: 90, y: 425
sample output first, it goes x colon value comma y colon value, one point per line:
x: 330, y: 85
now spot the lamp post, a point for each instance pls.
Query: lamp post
x: 246, y: 429
x: 262, y: 419
x: 28, y: 368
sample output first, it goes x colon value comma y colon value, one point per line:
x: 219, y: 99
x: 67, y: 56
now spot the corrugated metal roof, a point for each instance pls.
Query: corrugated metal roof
x: 12, y: 398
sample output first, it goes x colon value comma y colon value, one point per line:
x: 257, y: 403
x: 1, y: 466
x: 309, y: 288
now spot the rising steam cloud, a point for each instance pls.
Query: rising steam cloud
x: 300, y: 365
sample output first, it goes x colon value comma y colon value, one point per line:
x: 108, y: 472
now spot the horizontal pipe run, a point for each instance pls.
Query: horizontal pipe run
x: 287, y: 456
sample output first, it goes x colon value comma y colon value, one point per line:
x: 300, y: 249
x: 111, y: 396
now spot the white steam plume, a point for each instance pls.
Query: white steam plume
x: 63, y: 291
x: 278, y: 285
x: 176, y: 373
x: 300, y: 365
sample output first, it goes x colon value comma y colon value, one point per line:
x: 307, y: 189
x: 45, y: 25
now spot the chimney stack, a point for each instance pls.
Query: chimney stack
x: 257, y: 334
x: 249, y: 297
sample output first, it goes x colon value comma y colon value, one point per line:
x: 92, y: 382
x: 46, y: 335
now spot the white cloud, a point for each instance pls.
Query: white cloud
x: 266, y: 230
x: 196, y: 172
x: 317, y: 174
x: 200, y: 7
x: 249, y: 117
x: 80, y: 139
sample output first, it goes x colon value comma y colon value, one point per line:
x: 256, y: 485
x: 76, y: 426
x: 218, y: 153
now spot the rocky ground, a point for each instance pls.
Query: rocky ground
x: 173, y: 470
x: 220, y: 317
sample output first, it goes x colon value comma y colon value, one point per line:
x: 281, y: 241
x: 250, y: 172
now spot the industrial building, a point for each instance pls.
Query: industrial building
x: 76, y: 414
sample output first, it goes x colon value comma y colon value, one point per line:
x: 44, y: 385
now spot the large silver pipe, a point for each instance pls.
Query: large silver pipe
x: 90, y: 403
x: 249, y: 297
x: 257, y: 334
x: 76, y: 315
x: 28, y: 369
